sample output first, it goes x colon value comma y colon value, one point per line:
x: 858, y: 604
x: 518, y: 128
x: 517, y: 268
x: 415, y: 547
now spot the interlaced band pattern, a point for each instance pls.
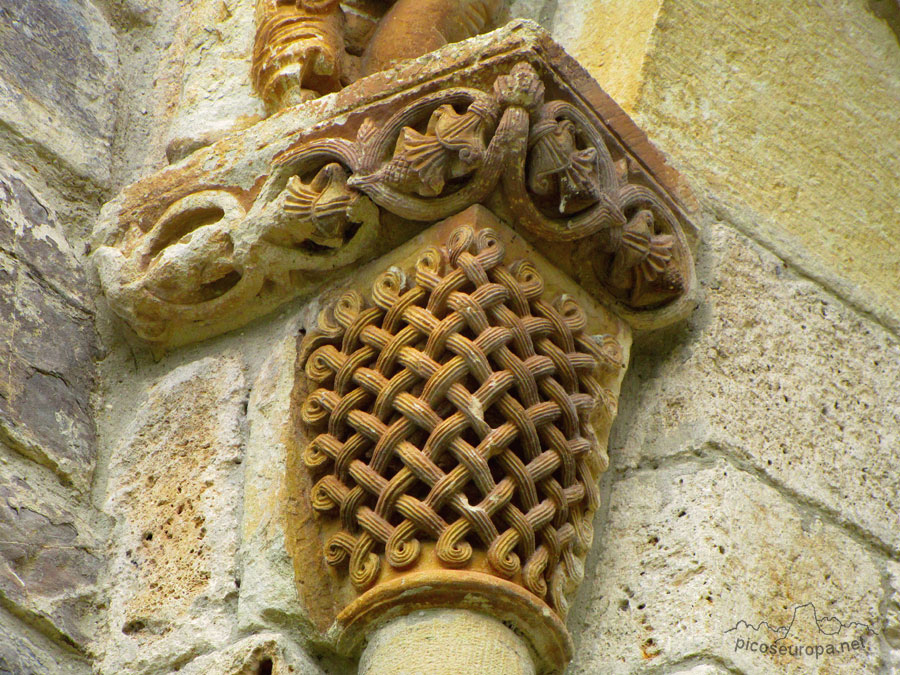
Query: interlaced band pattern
x: 458, y: 408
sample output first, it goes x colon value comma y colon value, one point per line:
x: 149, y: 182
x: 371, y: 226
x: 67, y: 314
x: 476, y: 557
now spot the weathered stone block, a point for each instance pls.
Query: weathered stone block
x: 50, y: 560
x: 269, y: 594
x: 784, y: 118
x: 610, y: 39
x: 177, y: 475
x: 693, y: 548
x: 267, y: 653
x: 704, y: 669
x: 57, y: 88
x: 23, y: 651
x: 215, y: 96
x: 47, y: 339
x: 781, y: 376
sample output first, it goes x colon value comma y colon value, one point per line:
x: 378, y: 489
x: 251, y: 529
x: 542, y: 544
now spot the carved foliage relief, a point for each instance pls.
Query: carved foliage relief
x: 458, y: 414
x: 558, y: 176
x: 452, y: 414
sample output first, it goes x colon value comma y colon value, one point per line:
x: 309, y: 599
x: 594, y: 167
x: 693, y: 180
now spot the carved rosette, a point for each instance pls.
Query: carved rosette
x: 458, y: 413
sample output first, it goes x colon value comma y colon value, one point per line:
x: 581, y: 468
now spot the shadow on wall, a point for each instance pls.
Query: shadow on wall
x: 889, y: 11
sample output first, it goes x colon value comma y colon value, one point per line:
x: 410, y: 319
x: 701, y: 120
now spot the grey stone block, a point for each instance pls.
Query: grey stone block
x: 47, y: 340
x: 695, y: 547
x: 50, y: 560
x: 782, y: 376
x: 57, y: 80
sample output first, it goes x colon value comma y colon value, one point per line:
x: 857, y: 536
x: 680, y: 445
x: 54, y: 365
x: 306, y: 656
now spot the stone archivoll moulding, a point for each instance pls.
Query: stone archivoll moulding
x: 453, y: 409
x: 506, y: 119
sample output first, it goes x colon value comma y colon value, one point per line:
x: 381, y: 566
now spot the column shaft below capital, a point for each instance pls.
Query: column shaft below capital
x: 446, y: 642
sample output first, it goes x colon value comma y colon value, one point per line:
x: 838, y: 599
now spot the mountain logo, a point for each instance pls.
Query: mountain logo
x: 806, y: 633
x: 826, y: 625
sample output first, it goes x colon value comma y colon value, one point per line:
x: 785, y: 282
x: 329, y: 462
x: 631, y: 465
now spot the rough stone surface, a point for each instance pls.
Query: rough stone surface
x: 610, y: 39
x: 57, y: 79
x: 890, y: 626
x: 24, y: 651
x: 695, y: 546
x: 780, y: 118
x: 269, y: 595
x: 50, y: 559
x: 539, y: 11
x: 783, y: 378
x: 47, y: 339
x: 703, y: 669
x: 177, y: 502
x: 214, y: 45
x: 267, y: 653
x: 147, y: 99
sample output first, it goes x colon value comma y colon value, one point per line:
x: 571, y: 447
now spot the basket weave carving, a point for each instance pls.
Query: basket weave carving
x: 457, y: 407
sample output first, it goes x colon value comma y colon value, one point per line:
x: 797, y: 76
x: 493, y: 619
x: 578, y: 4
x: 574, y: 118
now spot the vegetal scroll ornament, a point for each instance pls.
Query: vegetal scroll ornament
x: 215, y: 257
x: 554, y: 169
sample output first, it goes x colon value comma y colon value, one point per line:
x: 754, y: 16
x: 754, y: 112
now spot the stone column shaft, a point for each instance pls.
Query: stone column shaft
x: 446, y: 642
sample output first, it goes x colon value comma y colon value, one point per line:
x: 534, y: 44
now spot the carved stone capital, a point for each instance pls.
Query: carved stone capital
x: 452, y: 404
x: 452, y: 411
x: 506, y: 120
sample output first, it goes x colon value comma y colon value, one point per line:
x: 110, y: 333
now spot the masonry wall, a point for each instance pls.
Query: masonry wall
x: 754, y: 459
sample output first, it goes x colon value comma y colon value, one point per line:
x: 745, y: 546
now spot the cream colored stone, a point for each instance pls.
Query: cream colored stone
x: 784, y: 118
x: 176, y: 499
x: 445, y: 642
x: 539, y: 11
x: 610, y: 39
x: 267, y: 653
x: 694, y: 546
x: 704, y: 669
x: 269, y: 594
x: 215, y: 44
x: 782, y: 378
